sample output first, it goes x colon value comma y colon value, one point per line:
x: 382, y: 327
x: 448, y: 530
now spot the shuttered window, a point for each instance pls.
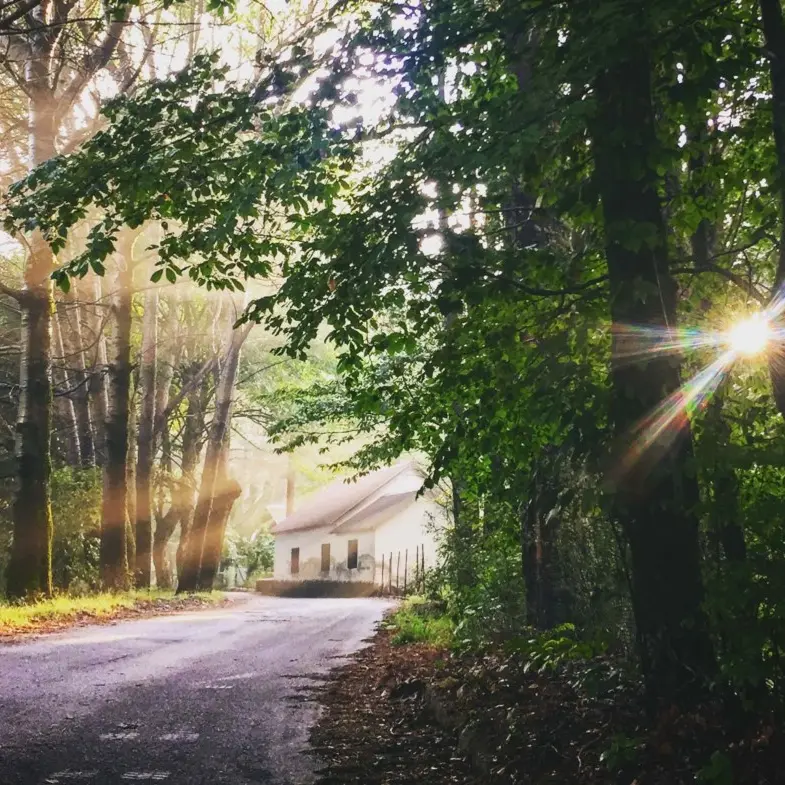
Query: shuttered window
x: 351, y: 559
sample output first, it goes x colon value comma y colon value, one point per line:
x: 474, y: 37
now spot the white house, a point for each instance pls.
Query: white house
x: 354, y: 531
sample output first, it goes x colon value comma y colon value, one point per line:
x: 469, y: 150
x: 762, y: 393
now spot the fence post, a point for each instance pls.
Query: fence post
x: 422, y: 571
x: 406, y: 571
x: 389, y: 571
x: 417, y: 569
x: 382, y: 583
x: 398, y: 572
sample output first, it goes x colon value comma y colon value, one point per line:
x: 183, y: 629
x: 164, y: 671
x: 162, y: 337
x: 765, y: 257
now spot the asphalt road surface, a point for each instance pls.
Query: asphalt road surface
x: 214, y: 697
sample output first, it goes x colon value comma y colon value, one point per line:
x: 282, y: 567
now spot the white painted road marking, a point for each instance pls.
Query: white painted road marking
x: 58, y: 776
x: 239, y: 676
x: 146, y: 775
x: 180, y: 736
x: 121, y: 736
x: 218, y: 686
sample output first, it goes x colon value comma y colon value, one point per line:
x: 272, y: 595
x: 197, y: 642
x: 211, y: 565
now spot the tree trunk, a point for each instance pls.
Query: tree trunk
x: 30, y: 565
x: 774, y: 36
x: 164, y: 529
x: 130, y: 484
x: 68, y: 431
x: 73, y: 345
x: 227, y: 491
x: 167, y: 359
x: 656, y: 499
x: 146, y: 448
x: 207, y: 489
x: 114, y: 565
x: 93, y: 325
x: 186, y: 487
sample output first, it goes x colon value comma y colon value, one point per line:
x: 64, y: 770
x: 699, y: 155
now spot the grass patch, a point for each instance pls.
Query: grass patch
x: 63, y: 609
x: 418, y: 621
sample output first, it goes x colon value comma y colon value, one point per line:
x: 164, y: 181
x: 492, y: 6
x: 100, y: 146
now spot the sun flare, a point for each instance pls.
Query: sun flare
x: 750, y: 336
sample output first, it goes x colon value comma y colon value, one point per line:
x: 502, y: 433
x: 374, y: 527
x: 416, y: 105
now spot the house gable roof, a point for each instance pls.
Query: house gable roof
x: 345, y: 503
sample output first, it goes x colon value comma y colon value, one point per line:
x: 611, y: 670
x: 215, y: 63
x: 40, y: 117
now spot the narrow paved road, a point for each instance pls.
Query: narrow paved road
x: 218, y: 697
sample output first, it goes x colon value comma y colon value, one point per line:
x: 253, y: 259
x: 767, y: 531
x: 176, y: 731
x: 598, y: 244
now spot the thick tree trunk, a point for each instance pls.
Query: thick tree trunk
x: 774, y: 35
x: 227, y: 491
x: 655, y: 500
x: 186, y: 486
x: 114, y: 565
x: 164, y: 529
x: 68, y: 430
x: 70, y: 318
x: 207, y: 489
x: 30, y: 566
x: 146, y: 448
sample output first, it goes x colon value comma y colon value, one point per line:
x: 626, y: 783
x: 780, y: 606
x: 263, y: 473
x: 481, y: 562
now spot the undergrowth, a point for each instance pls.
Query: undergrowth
x: 419, y: 621
x: 24, y: 616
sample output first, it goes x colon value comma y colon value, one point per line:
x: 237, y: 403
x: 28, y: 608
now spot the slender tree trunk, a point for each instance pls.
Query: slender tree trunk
x: 68, y: 433
x: 114, y: 565
x: 93, y: 324
x: 165, y: 524
x: 656, y: 499
x: 73, y: 345
x: 207, y: 489
x: 130, y: 484
x: 530, y: 551
x: 30, y: 565
x: 146, y: 448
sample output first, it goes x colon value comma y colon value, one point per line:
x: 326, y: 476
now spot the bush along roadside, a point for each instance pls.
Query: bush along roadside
x: 547, y: 708
x: 65, y: 611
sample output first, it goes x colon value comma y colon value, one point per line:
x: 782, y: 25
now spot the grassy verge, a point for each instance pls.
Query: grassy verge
x: 64, y: 610
x: 418, y: 621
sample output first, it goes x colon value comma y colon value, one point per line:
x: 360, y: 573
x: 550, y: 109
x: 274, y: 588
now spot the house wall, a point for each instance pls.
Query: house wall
x: 310, y: 545
x: 411, y: 529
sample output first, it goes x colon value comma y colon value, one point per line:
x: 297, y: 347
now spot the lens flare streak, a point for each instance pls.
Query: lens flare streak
x: 757, y: 335
x: 665, y: 423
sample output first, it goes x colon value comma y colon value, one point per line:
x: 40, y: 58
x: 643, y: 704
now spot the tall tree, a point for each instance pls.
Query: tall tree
x: 114, y: 564
x: 146, y: 447
x: 209, y: 486
x: 656, y: 498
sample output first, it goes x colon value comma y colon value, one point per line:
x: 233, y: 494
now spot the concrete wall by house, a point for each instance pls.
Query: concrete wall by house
x: 310, y: 544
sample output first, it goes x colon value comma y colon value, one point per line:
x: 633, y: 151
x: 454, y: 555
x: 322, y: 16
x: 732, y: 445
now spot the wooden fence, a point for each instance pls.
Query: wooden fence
x: 394, y: 580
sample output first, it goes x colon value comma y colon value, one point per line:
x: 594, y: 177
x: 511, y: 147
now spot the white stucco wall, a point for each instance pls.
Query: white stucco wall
x: 409, y: 530
x: 404, y: 529
x: 310, y: 545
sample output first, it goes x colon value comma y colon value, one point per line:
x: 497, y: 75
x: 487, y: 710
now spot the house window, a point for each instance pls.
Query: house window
x: 351, y: 559
x: 295, y: 561
x: 326, y: 557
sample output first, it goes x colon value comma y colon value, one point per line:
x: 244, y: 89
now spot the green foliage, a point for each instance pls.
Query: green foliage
x: 252, y: 554
x: 552, y: 649
x: 76, y: 508
x: 718, y: 771
x: 417, y: 621
x: 622, y: 752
